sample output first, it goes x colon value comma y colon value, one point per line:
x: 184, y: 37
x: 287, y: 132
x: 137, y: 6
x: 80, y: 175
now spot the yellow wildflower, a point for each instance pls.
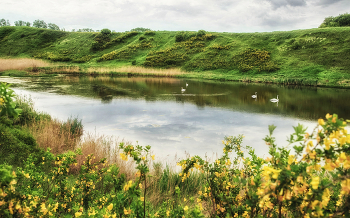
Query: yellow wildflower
x: 110, y: 207
x: 321, y: 122
x: 315, y: 182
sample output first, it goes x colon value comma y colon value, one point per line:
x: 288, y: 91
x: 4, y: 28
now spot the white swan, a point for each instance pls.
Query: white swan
x: 255, y: 96
x: 183, y: 90
x: 186, y: 85
x: 274, y: 100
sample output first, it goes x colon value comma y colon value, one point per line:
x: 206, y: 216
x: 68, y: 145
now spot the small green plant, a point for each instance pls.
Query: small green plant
x: 7, y: 102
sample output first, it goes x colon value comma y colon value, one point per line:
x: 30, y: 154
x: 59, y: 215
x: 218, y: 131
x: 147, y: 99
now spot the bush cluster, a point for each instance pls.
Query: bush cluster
x: 103, y: 44
x: 183, y: 36
x: 101, y: 39
x: 126, y: 52
x: 255, y: 59
x: 338, y: 21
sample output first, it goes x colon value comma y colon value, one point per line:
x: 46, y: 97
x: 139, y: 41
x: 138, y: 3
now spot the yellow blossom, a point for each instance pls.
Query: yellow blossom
x: 110, y: 207
x: 185, y: 208
x: 321, y: 122
x: 315, y: 182
x: 328, y: 116
x: 153, y: 157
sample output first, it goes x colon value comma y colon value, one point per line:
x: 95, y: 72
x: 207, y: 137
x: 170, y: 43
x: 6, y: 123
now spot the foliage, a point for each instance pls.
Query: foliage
x: 40, y: 24
x: 53, y: 26
x: 101, y: 39
x: 22, y: 23
x: 254, y: 59
x: 74, y: 125
x: 312, y: 182
x: 7, y: 102
x: 84, y: 30
x: 338, y: 21
x: 4, y: 22
x: 15, y: 144
x: 150, y: 33
x: 140, y: 29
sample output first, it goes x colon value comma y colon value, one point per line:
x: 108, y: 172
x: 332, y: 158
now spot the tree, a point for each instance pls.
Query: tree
x: 22, y: 23
x: 338, y: 21
x: 140, y: 29
x: 40, y: 24
x: 53, y: 26
x: 85, y: 30
x: 4, y: 22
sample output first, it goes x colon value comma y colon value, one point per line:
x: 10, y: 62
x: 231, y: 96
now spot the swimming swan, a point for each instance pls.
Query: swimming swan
x: 182, y: 89
x: 186, y: 85
x: 274, y: 100
x: 255, y: 96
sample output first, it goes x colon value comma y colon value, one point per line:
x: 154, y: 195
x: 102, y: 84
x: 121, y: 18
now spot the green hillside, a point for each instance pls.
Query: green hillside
x: 314, y: 56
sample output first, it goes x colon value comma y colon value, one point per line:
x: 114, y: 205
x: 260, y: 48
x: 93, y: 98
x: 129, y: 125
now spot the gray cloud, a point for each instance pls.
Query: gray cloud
x: 280, y: 3
x: 329, y: 2
x: 210, y: 15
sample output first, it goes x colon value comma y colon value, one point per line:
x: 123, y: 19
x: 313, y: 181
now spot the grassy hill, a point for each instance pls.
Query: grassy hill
x: 314, y: 56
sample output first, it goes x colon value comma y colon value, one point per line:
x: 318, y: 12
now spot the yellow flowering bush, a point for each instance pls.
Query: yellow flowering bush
x: 310, y: 180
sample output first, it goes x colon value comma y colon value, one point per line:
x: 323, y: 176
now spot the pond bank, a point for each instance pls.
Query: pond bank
x: 294, y: 78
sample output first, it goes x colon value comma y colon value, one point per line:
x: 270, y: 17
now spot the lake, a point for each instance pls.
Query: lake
x: 157, y: 112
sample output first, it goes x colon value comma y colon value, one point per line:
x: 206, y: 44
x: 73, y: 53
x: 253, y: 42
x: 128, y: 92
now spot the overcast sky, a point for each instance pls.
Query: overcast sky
x: 209, y: 15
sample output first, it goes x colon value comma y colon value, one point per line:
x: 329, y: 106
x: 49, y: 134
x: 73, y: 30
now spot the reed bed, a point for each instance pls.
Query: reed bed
x: 21, y: 63
x: 136, y: 70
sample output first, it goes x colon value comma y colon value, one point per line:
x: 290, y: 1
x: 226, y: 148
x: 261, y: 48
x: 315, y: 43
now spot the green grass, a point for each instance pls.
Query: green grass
x: 305, y: 57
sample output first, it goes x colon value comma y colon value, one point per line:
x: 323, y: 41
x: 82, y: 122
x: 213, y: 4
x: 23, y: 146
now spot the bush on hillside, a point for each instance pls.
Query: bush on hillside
x: 5, y: 31
x: 339, y: 21
x: 16, y: 144
x: 255, y: 59
x: 101, y: 39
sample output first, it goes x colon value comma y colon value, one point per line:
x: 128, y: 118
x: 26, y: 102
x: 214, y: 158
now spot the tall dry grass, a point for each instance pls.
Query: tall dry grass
x: 135, y: 70
x: 54, y: 135
x: 21, y: 63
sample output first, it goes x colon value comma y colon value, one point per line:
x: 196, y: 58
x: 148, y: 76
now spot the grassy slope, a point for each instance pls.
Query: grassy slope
x: 300, y: 56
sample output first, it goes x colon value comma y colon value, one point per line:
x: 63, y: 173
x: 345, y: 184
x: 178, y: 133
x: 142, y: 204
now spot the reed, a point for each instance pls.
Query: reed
x: 21, y: 63
x: 135, y: 70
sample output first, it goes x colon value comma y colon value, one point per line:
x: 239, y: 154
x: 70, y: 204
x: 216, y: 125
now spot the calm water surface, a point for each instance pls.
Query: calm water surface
x: 154, y: 111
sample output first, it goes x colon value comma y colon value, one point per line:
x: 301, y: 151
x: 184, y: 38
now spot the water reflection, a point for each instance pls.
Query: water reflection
x: 156, y: 111
x: 303, y: 102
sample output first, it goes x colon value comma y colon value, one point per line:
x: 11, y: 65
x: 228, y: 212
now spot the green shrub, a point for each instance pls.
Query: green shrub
x: 83, y: 59
x: 255, y: 59
x: 16, y: 145
x: 339, y: 21
x: 150, y: 33
x: 101, y: 39
x: 140, y: 29
x: 201, y: 33
x: 7, y: 103
x: 5, y: 31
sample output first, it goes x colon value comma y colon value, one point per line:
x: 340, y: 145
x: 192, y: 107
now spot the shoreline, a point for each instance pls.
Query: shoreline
x: 38, y: 67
